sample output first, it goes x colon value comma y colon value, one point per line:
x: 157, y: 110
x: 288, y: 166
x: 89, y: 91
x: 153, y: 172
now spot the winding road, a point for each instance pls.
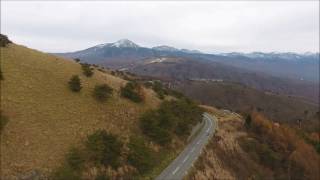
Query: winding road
x: 180, y: 166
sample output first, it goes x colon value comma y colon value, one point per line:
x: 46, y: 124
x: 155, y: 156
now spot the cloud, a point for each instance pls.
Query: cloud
x: 207, y: 26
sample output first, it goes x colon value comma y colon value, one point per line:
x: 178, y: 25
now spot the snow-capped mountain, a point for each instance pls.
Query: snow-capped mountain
x: 122, y: 43
x: 125, y: 43
x: 274, y: 55
x: 124, y: 52
x: 125, y: 49
x: 191, y: 51
x: 165, y: 48
x: 173, y: 49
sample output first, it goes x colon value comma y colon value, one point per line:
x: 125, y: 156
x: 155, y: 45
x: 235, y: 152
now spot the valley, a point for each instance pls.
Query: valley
x: 159, y: 90
x: 264, y: 73
x: 66, y: 113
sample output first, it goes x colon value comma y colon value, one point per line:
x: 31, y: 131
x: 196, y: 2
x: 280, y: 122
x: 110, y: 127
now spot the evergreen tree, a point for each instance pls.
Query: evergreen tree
x: 102, y: 92
x: 75, y: 84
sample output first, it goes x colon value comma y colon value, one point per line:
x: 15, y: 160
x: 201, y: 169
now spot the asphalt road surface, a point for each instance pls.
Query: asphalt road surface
x: 180, y: 166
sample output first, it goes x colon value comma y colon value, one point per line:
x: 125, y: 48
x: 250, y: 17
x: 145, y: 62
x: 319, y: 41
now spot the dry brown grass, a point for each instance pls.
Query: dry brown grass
x: 225, y: 158
x: 46, y: 118
x: 286, y: 141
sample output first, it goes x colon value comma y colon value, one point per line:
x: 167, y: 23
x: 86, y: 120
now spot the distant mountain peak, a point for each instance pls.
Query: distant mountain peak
x: 173, y: 49
x: 165, y: 48
x: 191, y: 51
x: 124, y: 43
x: 274, y: 55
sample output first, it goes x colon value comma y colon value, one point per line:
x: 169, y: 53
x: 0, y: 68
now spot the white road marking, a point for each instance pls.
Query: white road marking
x: 176, y: 170
x: 209, y: 122
x: 185, y: 159
x: 192, y: 149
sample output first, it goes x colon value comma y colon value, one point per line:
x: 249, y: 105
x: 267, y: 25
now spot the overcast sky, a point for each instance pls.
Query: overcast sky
x: 206, y: 26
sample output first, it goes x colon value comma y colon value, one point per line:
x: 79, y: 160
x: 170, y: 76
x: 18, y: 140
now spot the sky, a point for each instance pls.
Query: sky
x: 211, y: 27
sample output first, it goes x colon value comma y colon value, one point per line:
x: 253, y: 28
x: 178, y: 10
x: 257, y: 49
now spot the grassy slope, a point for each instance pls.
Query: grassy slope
x: 46, y: 118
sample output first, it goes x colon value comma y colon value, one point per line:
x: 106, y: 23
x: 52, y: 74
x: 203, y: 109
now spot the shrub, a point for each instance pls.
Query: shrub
x: 171, y: 117
x: 76, y: 59
x: 65, y: 172
x: 1, y: 75
x: 104, y: 148
x: 140, y: 156
x: 74, y: 83
x: 3, y: 121
x: 248, y: 121
x: 186, y: 114
x: 176, y: 94
x: 182, y: 129
x: 317, y: 147
x: 281, y: 149
x: 102, y: 92
x: 4, y: 40
x: 158, y: 88
x: 150, y: 125
x: 101, y: 70
x: 87, y: 71
x: 269, y: 157
x: 133, y: 91
x: 75, y: 159
x: 148, y: 84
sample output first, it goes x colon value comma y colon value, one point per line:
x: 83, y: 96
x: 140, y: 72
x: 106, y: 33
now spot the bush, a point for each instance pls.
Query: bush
x: 1, y: 75
x: 148, y: 84
x: 3, y: 121
x: 140, y: 156
x: 158, y: 88
x: 65, y: 173
x: 102, y: 92
x: 4, y: 40
x: 104, y: 148
x: 172, y: 117
x: 186, y: 114
x: 150, y: 123
x: 75, y: 84
x: 133, y: 91
x: 269, y: 157
x: 76, y: 59
x: 176, y: 94
x: 281, y: 149
x: 87, y: 71
x: 248, y: 121
x: 317, y: 147
x: 75, y: 159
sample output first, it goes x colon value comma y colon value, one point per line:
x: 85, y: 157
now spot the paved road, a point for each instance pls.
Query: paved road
x: 180, y: 166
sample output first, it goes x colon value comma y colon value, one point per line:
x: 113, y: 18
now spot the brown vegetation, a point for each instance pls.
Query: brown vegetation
x: 263, y: 150
x: 242, y: 99
x: 298, y: 159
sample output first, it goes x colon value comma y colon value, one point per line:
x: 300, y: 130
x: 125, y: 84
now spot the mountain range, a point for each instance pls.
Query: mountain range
x: 124, y: 53
x: 127, y: 47
x: 285, y: 73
